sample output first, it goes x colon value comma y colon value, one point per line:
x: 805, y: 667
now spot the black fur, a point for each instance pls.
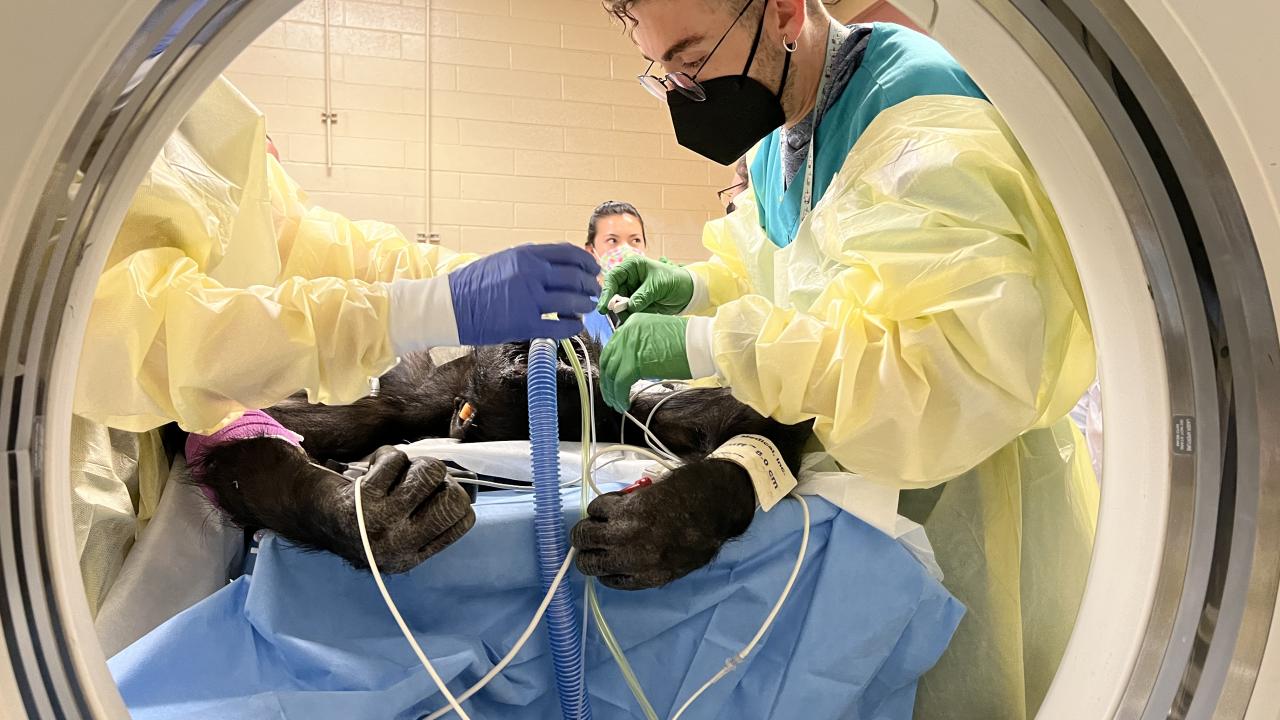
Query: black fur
x: 640, y: 540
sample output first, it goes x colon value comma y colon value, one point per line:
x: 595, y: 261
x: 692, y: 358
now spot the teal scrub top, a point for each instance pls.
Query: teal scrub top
x: 898, y: 64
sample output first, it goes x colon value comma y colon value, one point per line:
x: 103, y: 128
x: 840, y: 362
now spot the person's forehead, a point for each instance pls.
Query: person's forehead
x: 619, y: 224
x: 664, y: 28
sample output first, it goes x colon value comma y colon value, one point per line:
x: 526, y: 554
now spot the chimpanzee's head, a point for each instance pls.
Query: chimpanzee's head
x: 494, y: 404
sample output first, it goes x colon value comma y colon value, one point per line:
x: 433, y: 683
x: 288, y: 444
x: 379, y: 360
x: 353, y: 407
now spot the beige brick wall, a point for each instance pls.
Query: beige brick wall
x: 379, y: 71
x: 532, y: 117
x: 536, y: 118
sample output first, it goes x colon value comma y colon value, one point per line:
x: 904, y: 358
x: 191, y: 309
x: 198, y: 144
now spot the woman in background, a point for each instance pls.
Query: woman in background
x: 614, y: 232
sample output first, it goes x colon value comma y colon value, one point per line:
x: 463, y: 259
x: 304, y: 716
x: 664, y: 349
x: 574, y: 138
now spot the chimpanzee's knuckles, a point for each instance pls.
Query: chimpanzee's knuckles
x: 642, y: 581
x: 412, y: 542
x: 386, y: 469
x: 379, y: 513
x: 605, y: 506
x: 653, y: 579
x: 389, y: 454
x: 600, y: 563
x: 458, y: 500
x: 445, y: 514
x: 398, y: 561
x: 453, y: 534
x: 449, y: 504
x: 590, y: 534
x: 634, y: 558
x: 400, y: 548
x: 621, y: 533
x: 424, y: 476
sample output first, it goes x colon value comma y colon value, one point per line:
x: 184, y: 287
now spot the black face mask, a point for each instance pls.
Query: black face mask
x: 739, y: 111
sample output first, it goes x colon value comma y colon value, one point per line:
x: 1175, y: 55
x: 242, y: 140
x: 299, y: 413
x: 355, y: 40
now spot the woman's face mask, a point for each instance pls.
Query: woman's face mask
x: 737, y: 113
x: 614, y: 257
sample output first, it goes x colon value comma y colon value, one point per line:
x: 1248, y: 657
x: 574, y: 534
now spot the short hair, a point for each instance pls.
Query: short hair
x: 609, y: 208
x: 621, y: 9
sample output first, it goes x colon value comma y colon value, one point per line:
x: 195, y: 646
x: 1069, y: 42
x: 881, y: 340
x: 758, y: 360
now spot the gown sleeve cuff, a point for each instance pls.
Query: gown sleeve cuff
x: 422, y: 315
x: 701, y: 300
x: 697, y: 341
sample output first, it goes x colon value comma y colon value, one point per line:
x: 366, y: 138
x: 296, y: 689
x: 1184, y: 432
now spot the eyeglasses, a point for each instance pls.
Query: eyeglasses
x: 682, y: 82
x: 730, y: 192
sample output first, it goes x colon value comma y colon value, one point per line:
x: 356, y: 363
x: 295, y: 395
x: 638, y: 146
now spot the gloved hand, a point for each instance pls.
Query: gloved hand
x: 663, y: 532
x: 501, y: 298
x: 653, y: 286
x: 646, y: 346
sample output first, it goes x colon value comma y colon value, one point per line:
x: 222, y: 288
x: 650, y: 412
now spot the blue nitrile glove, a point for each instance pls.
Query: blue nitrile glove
x: 646, y: 346
x: 502, y: 298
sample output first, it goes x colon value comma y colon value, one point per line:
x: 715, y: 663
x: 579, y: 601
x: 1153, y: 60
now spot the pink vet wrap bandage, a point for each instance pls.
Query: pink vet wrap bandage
x: 253, y: 424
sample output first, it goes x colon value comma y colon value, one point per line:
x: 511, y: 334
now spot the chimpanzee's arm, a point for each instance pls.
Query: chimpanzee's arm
x: 412, y: 509
x: 415, y: 399
x: 696, y: 422
x: 660, y: 533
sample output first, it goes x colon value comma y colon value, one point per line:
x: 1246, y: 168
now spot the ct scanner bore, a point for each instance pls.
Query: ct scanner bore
x: 1153, y: 125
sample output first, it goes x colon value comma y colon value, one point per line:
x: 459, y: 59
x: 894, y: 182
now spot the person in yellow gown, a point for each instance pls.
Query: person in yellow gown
x: 896, y: 274
x: 227, y: 291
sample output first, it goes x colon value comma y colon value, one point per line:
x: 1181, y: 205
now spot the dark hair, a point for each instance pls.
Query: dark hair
x: 609, y: 208
x: 621, y: 9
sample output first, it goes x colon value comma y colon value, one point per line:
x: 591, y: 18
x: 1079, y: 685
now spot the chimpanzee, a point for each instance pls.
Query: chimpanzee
x: 641, y: 539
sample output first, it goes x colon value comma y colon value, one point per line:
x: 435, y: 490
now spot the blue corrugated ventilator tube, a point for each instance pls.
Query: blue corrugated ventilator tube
x: 563, y: 628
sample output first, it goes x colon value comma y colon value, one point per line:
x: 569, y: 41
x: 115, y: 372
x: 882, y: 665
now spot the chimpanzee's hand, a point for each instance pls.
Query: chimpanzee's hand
x: 412, y: 510
x: 665, y: 531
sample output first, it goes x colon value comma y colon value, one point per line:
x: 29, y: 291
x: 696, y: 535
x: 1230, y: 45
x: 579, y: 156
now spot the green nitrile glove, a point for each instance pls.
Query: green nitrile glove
x: 646, y: 346
x: 652, y: 286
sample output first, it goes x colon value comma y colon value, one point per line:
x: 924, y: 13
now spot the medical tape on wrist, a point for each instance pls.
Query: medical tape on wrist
x: 757, y: 455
